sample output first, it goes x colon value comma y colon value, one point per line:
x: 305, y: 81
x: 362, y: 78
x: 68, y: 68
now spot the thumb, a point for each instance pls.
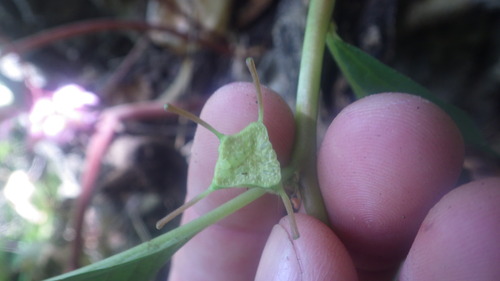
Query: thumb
x: 317, y: 255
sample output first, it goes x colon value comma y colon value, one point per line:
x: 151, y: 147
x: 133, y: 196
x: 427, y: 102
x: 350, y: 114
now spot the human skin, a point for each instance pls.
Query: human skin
x: 384, y: 162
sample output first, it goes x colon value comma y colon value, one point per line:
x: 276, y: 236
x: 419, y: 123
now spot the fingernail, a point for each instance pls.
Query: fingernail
x: 279, y: 259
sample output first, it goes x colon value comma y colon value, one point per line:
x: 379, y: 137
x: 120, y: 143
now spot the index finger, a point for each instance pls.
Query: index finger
x: 230, y: 249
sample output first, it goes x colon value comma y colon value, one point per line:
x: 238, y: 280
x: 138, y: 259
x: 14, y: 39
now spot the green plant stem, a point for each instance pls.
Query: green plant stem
x: 223, y: 211
x: 161, y: 223
x: 289, y: 211
x: 306, y: 115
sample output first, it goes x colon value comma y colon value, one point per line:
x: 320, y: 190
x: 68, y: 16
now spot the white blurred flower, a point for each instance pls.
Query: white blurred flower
x: 18, y: 191
x: 67, y: 108
x: 6, y: 96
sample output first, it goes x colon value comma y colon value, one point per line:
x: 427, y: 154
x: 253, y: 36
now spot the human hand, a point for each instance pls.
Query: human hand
x: 385, y: 161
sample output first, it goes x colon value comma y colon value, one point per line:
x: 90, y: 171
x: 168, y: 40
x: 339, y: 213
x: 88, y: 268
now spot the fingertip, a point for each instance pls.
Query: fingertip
x: 233, y: 106
x: 458, y: 239
x: 385, y: 160
x: 317, y: 255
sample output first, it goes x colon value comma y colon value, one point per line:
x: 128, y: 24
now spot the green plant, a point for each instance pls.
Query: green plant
x: 246, y: 159
x: 366, y: 76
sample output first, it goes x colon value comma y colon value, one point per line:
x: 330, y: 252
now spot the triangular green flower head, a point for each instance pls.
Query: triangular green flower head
x: 247, y: 159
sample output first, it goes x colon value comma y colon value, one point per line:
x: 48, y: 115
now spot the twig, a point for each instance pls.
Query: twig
x: 111, y: 119
x: 48, y: 36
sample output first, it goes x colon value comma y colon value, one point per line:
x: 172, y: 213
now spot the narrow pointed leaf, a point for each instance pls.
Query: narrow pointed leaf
x: 139, y: 263
x: 367, y: 76
x: 143, y: 261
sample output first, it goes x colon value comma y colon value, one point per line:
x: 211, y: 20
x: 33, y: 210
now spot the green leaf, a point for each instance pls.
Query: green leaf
x: 138, y: 263
x: 143, y: 261
x: 367, y: 76
x: 247, y: 159
x: 136, y: 266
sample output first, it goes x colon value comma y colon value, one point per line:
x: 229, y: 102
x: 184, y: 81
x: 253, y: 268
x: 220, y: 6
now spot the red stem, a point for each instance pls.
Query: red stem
x: 48, y: 36
x: 96, y: 149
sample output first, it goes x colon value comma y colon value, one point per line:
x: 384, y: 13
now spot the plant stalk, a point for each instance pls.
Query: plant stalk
x: 306, y: 114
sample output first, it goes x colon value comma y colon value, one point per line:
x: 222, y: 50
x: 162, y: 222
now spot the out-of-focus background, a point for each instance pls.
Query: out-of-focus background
x: 88, y: 158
